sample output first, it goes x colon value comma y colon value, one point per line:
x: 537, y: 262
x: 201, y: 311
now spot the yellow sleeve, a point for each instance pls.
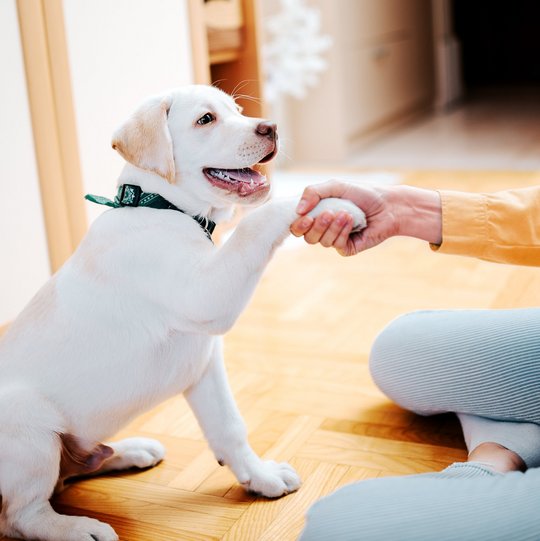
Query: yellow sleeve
x: 502, y: 226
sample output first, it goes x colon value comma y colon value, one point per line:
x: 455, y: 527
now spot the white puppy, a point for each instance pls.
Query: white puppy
x: 134, y: 317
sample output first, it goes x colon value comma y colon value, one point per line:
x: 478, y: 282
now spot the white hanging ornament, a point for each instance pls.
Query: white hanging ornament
x: 293, y: 54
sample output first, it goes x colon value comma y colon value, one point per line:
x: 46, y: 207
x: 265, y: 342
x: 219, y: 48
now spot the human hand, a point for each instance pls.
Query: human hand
x: 389, y: 210
x: 335, y: 230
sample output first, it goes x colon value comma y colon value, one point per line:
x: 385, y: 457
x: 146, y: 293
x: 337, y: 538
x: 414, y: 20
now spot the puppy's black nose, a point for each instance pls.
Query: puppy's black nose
x: 267, y: 128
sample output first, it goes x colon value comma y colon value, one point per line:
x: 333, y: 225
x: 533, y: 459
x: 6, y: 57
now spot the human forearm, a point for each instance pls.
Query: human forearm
x: 417, y: 212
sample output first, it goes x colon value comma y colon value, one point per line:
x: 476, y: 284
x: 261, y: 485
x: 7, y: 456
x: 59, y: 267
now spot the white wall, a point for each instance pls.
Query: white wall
x: 24, y: 263
x: 120, y: 51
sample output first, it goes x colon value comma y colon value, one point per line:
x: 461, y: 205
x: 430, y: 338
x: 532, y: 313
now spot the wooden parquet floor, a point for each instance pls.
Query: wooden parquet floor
x: 297, y: 361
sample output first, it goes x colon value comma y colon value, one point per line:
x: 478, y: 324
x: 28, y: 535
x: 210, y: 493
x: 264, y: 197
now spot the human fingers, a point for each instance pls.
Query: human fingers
x: 301, y: 225
x: 368, y: 238
x: 319, y: 227
x: 343, y: 243
x: 341, y: 226
x: 314, y: 193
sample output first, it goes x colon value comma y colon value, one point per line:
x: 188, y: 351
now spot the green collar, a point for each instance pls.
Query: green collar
x: 131, y: 195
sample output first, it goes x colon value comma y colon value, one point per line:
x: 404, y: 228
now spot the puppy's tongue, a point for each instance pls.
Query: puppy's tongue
x: 244, y: 181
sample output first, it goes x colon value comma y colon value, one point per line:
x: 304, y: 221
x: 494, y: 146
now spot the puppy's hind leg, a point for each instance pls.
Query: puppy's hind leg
x: 30, y: 451
x: 82, y: 458
x: 132, y: 453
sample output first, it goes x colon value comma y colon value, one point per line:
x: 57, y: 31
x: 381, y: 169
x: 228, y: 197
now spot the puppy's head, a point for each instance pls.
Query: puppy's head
x: 196, y: 138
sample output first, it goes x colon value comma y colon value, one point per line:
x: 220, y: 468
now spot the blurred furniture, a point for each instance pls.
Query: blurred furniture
x: 380, y: 71
x: 448, y: 74
x: 226, y: 48
x: 224, y: 20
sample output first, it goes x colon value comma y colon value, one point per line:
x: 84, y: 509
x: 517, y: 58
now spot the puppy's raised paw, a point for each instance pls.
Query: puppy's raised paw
x: 335, y: 205
x: 273, y: 480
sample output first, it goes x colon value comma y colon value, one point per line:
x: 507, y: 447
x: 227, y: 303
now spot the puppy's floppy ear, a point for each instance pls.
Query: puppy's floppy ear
x: 144, y: 139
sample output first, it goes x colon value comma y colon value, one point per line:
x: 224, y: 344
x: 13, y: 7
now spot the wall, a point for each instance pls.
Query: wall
x: 120, y: 52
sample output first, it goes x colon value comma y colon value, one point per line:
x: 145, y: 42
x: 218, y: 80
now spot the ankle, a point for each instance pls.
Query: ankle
x: 499, y: 458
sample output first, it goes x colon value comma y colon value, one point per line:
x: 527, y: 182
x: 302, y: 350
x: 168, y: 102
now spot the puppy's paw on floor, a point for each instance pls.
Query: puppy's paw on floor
x: 88, y: 529
x: 135, y: 453
x: 54, y: 527
x: 273, y: 480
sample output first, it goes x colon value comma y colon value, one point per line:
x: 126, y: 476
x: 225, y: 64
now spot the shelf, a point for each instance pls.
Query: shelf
x: 224, y: 56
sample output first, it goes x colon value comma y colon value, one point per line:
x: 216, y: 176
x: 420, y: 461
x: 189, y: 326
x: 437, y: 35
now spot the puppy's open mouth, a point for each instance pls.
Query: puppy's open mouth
x: 244, y: 182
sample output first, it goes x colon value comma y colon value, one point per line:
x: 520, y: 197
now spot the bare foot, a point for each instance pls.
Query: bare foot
x: 500, y: 458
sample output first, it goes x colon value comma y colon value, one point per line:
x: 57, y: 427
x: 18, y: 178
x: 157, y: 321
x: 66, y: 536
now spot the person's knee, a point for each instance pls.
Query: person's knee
x: 396, y: 359
x: 388, y: 361
x: 338, y: 515
x: 316, y: 527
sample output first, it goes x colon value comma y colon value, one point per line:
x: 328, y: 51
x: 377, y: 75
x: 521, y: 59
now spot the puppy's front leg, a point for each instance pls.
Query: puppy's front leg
x: 229, y: 276
x: 214, y: 406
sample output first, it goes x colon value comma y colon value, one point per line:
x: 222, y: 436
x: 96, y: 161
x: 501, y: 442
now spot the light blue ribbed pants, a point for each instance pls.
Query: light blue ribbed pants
x: 483, y: 365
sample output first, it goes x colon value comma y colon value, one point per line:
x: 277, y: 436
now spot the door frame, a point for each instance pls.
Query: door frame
x: 52, y: 114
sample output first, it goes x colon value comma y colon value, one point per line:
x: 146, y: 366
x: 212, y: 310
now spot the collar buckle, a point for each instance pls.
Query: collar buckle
x: 130, y: 195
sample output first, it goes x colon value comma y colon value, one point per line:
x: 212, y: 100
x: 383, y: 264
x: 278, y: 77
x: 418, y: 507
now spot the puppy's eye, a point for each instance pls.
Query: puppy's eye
x: 206, y: 119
